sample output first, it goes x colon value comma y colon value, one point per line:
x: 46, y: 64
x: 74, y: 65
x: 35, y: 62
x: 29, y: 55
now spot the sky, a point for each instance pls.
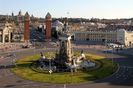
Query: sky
x: 70, y: 8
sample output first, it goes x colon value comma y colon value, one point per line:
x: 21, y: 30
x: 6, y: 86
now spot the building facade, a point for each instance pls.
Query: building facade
x: 6, y: 30
x: 120, y: 36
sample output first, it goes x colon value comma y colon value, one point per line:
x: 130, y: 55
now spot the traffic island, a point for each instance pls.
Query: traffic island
x: 25, y: 69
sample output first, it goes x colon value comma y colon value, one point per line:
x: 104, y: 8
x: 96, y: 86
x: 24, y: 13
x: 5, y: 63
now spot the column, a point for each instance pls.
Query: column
x: 3, y: 38
x: 9, y: 36
x: 0, y: 38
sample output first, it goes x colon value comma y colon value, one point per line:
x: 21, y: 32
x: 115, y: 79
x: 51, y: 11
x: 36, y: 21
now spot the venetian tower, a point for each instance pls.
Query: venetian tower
x: 48, y: 22
x: 20, y: 17
x: 26, y: 27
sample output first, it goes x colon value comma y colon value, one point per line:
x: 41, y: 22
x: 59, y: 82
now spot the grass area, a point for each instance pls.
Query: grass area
x: 23, y: 69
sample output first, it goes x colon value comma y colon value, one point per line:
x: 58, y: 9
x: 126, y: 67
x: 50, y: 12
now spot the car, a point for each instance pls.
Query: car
x: 108, y: 51
x: 24, y: 46
x: 112, y: 45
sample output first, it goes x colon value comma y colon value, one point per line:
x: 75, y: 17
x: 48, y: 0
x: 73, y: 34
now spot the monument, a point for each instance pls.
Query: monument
x: 64, y: 60
x: 65, y: 49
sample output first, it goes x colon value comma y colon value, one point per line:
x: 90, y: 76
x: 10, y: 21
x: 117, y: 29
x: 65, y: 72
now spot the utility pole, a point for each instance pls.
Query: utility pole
x: 112, y: 55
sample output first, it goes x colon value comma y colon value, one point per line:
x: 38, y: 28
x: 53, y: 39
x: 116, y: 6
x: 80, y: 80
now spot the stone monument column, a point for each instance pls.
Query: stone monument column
x: 65, y: 50
x: 69, y: 48
x: 3, y: 37
x: 9, y: 36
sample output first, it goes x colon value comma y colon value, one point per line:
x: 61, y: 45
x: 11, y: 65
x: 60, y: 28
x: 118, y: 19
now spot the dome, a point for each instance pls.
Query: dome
x: 48, y: 16
x: 121, y: 30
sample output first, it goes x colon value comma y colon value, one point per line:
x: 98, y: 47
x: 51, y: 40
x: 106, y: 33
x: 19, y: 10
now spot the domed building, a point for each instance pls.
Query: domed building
x: 57, y: 23
x: 57, y: 27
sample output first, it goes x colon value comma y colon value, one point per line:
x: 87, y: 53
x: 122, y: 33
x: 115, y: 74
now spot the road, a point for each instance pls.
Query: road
x: 123, y: 78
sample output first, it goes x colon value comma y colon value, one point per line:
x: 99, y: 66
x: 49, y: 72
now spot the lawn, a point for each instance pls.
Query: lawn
x: 105, y: 68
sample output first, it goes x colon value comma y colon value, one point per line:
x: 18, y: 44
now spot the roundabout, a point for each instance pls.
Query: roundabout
x: 25, y: 68
x: 14, y: 77
x: 65, y: 66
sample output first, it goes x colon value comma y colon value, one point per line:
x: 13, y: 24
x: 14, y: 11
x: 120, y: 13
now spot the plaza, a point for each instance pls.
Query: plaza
x: 14, y: 51
x: 66, y: 44
x: 119, y: 78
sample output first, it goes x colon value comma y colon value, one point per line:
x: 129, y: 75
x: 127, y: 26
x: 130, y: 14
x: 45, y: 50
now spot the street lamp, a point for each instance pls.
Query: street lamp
x: 113, y: 48
x: 14, y: 59
x: 64, y: 86
x: 50, y: 70
x: 50, y: 66
x: 34, y: 45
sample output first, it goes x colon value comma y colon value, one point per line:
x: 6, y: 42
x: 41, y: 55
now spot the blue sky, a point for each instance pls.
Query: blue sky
x: 76, y: 8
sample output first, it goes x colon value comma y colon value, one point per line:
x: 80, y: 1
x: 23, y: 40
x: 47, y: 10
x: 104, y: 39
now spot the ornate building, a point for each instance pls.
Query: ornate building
x: 120, y: 36
x: 6, y: 30
x: 20, y: 17
x: 15, y: 31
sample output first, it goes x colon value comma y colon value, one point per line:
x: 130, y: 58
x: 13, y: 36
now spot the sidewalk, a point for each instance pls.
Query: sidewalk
x: 18, y: 50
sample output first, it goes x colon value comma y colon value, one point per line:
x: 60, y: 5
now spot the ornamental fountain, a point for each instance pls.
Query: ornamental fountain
x: 64, y: 60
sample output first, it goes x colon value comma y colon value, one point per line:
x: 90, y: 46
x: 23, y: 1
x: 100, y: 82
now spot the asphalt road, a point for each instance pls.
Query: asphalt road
x: 123, y: 78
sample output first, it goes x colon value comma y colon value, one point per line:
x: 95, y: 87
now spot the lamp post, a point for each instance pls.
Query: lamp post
x: 14, y: 59
x: 50, y: 70
x: 50, y: 65
x: 72, y: 71
x: 64, y: 86
x: 112, y: 55
x: 34, y: 45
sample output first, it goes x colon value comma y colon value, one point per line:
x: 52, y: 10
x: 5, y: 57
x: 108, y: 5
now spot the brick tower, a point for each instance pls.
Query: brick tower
x: 26, y: 27
x: 48, y: 22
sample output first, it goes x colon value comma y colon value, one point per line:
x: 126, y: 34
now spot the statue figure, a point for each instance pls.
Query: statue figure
x: 42, y: 56
x: 82, y: 55
x: 82, y: 51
